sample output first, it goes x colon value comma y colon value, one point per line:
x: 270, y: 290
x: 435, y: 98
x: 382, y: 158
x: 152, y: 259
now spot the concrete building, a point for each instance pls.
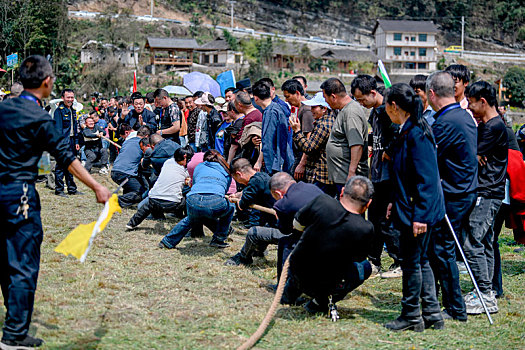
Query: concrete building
x: 218, y: 53
x: 94, y: 52
x: 406, y: 47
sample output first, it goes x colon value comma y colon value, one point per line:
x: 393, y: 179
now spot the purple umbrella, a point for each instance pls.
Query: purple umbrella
x: 197, y: 81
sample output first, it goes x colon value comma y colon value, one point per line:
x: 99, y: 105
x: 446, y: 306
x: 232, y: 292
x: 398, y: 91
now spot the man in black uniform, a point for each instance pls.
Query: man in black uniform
x: 26, y: 131
x: 66, y: 123
x: 138, y: 116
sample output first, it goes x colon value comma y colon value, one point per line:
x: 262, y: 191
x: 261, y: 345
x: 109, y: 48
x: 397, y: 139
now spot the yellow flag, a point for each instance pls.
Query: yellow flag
x: 78, y: 242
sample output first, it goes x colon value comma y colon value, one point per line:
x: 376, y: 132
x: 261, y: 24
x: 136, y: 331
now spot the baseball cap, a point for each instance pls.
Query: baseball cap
x: 203, y: 100
x: 317, y: 100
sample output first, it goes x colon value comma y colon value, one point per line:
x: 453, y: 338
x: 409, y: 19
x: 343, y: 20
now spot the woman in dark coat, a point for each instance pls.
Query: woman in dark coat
x: 417, y: 207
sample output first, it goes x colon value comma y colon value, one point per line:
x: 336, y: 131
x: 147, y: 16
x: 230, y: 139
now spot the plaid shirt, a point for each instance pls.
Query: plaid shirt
x: 315, y: 149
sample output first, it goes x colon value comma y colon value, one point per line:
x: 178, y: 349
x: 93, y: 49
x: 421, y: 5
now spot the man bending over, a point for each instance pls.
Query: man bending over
x: 330, y: 258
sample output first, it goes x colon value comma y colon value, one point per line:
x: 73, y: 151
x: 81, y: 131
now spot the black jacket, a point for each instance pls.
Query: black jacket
x: 147, y: 116
x: 26, y: 130
x: 456, y: 138
x: 63, y: 117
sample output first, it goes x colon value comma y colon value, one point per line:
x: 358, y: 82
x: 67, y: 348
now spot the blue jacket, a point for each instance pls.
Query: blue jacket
x: 284, y: 105
x: 128, y: 159
x: 210, y: 178
x: 457, y: 139
x: 418, y: 196
x: 163, y: 151
x: 147, y: 116
x: 276, y: 140
x: 62, y: 118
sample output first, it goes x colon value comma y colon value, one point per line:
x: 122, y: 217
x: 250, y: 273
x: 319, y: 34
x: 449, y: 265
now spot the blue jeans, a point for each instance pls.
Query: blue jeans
x: 203, y: 207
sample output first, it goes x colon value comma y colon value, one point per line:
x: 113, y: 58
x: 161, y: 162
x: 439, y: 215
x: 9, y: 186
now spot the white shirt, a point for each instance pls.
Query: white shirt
x: 169, y: 185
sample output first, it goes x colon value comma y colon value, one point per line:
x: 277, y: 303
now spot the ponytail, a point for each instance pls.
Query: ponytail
x: 406, y: 98
x: 214, y: 156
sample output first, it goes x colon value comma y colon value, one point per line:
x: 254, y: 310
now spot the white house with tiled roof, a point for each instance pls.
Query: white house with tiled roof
x: 406, y: 46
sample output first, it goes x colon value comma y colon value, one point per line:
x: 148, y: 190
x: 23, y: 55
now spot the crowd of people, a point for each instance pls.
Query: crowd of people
x: 332, y: 179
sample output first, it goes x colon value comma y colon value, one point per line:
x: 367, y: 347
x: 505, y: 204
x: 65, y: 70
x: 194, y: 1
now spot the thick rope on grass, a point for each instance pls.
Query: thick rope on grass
x: 271, y: 312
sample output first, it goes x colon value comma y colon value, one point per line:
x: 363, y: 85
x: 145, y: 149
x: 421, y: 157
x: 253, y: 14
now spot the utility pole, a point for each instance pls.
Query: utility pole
x: 462, y: 35
x: 151, y: 7
x: 231, y: 13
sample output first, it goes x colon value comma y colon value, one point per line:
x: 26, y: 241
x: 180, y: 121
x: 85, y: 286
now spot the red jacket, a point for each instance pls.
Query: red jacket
x: 516, y: 173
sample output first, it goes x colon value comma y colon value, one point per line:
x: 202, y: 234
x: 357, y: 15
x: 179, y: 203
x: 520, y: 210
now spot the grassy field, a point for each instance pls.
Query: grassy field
x: 131, y: 295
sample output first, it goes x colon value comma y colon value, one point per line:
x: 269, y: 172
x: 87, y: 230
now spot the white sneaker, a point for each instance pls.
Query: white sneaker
x: 103, y: 171
x: 393, y: 273
x: 474, y: 306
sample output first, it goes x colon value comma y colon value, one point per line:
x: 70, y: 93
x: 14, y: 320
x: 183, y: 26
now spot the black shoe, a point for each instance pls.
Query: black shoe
x: 218, y: 244
x: 259, y: 254
x: 76, y: 193
x: 447, y: 315
x: 401, y: 324
x: 436, y: 324
x: 312, y: 307
x: 130, y: 226
x: 238, y: 259
x: 28, y: 342
x: 161, y: 245
x: 61, y: 194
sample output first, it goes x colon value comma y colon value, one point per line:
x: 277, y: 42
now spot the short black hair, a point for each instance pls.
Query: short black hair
x: 418, y: 82
x: 145, y: 142
x: 359, y: 189
x: 482, y: 89
x: 93, y: 112
x: 333, y: 86
x: 149, y: 97
x: 123, y: 128
x: 240, y: 164
x: 268, y: 81
x: 160, y: 93
x: 365, y: 83
x: 198, y: 94
x: 261, y: 90
x: 459, y: 71
x: 34, y: 70
x: 136, y: 96
x: 179, y: 153
x: 189, y: 96
x: 292, y: 86
x: 103, y: 99
x: 302, y: 78
x: 66, y: 90
x: 230, y: 89
x: 111, y: 110
x: 144, y: 130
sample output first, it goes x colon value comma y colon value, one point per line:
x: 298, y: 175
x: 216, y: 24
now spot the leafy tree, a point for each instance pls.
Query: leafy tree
x: 231, y: 40
x: 514, y: 82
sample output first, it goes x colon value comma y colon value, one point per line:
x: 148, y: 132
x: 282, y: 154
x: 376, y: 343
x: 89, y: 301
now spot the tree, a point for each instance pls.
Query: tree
x: 231, y: 40
x: 195, y: 24
x: 514, y: 82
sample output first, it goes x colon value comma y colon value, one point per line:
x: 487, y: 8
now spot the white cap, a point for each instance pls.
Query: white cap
x: 317, y: 100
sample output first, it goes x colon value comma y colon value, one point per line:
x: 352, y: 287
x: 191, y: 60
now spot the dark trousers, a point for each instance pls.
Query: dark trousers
x: 418, y: 279
x: 20, y: 242
x: 442, y: 253
x: 131, y: 190
x: 497, y: 278
x: 157, y: 207
x: 61, y: 172
x: 94, y: 154
x: 294, y: 287
x: 113, y: 153
x: 284, y: 248
x: 329, y: 189
x: 258, y: 239
x: 384, y: 232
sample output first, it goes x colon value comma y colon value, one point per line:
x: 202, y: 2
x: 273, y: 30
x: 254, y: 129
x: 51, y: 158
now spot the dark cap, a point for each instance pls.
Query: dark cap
x: 243, y: 84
